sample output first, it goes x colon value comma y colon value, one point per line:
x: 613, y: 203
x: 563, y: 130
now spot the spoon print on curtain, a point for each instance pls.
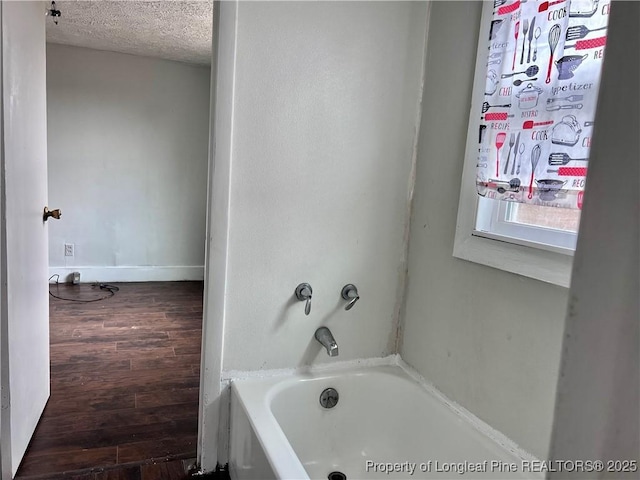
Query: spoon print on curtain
x: 543, y: 73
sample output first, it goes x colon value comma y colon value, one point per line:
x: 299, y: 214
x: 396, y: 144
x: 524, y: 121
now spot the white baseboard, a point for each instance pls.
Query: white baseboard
x: 130, y: 274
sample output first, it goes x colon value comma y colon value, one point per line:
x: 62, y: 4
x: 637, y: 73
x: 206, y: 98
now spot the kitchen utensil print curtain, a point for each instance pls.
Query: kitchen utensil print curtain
x: 543, y: 73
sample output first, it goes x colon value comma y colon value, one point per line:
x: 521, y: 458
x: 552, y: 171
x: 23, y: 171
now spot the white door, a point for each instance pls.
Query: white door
x: 24, y: 347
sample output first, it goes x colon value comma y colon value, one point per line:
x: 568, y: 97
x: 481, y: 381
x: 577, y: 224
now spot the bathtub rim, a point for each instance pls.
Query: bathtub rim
x: 276, y: 380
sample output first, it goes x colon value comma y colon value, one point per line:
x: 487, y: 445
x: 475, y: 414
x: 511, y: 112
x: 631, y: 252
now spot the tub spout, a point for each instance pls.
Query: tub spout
x: 325, y: 338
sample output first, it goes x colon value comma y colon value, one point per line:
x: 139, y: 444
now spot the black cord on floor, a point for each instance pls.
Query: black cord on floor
x: 112, y: 289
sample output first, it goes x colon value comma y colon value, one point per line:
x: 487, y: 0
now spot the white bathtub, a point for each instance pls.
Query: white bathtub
x: 384, y: 415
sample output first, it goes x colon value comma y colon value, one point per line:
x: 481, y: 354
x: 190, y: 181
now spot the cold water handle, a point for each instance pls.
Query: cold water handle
x: 350, y: 293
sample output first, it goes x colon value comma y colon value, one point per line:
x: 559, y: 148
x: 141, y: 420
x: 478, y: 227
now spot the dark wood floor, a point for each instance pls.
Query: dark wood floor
x: 172, y: 470
x: 124, y: 384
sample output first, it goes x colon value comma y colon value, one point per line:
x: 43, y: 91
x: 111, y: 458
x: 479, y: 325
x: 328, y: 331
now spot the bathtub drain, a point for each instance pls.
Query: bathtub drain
x: 329, y: 399
x: 337, y: 476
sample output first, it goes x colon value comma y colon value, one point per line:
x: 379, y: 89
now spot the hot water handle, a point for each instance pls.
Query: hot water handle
x: 303, y: 293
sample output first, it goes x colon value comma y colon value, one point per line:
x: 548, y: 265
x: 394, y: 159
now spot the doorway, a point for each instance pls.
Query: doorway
x: 128, y: 138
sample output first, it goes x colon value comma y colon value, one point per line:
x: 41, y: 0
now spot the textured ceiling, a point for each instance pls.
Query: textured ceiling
x: 174, y: 30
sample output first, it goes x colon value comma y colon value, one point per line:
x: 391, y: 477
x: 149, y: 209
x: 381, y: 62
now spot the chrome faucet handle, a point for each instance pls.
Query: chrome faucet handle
x: 303, y: 293
x: 350, y: 293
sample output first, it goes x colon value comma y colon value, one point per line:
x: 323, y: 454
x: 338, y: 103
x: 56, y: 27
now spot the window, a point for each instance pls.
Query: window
x: 548, y: 228
x: 532, y: 240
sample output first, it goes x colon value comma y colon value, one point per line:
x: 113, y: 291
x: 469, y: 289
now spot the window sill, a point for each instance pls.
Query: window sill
x: 523, y: 242
x: 546, y: 266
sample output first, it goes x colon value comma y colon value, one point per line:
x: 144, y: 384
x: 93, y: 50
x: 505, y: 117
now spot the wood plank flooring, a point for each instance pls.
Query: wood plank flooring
x: 124, y: 384
x: 171, y: 470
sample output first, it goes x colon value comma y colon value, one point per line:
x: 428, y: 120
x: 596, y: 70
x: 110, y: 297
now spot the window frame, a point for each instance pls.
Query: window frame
x: 551, y: 265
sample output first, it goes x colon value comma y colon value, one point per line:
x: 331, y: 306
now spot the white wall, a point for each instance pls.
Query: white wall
x: 325, y: 104
x: 128, y: 148
x: 597, y: 415
x: 314, y: 141
x: 488, y: 339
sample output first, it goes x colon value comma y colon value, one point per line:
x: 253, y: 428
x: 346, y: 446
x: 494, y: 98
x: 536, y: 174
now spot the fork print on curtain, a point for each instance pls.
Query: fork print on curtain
x: 542, y: 78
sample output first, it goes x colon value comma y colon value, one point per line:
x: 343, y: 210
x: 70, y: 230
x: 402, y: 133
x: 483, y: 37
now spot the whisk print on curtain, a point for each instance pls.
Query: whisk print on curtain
x: 543, y: 73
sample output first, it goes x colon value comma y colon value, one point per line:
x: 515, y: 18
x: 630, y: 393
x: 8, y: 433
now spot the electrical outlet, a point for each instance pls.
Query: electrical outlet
x: 68, y: 249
